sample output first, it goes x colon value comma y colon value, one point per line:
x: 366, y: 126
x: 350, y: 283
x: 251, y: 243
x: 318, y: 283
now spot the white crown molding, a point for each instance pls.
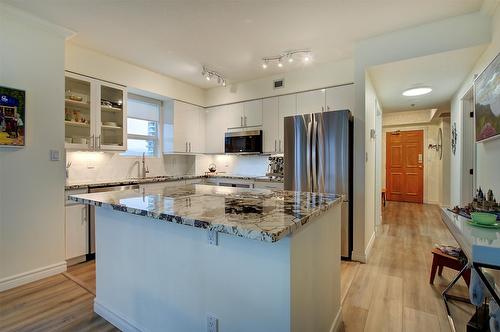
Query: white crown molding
x: 11, y: 11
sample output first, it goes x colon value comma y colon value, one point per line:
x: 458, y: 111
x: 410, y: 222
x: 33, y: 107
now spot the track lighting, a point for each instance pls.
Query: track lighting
x: 304, y: 54
x: 209, y: 74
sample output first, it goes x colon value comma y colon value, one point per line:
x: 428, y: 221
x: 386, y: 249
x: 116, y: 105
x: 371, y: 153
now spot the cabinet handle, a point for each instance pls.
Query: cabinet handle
x: 241, y: 121
x: 189, y: 146
x: 280, y: 145
x: 274, y: 145
x: 186, y: 146
x: 246, y: 123
x: 328, y: 108
x: 99, y: 140
x: 91, y: 142
x: 322, y: 108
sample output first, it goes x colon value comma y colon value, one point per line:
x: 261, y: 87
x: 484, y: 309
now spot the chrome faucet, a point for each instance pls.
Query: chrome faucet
x: 145, y: 169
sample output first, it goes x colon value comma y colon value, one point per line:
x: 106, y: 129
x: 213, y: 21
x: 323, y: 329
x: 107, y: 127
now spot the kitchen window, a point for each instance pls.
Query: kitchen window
x: 143, y: 126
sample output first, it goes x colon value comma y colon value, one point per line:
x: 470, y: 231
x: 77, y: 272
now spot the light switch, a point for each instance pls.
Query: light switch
x: 54, y: 155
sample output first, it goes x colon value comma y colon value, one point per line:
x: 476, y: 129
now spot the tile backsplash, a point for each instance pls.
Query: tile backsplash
x: 103, y: 166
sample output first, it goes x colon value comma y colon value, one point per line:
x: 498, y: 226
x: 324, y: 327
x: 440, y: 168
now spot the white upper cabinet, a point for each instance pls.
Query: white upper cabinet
x: 216, y: 127
x: 287, y: 106
x: 189, y: 128
x: 252, y: 113
x: 270, y: 124
x: 95, y: 114
x: 340, y: 98
x: 311, y: 102
x: 234, y: 115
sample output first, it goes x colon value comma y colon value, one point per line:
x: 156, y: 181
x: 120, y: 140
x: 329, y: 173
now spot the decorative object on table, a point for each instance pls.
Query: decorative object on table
x: 212, y: 168
x: 487, y: 102
x: 484, y: 218
x: 12, y: 117
x: 454, y: 137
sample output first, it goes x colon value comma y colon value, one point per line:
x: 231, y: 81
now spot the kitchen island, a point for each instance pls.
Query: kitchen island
x: 176, y: 258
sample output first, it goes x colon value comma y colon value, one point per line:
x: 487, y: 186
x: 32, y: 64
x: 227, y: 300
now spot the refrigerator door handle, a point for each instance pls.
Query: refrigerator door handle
x: 314, y: 154
x: 308, y: 157
x: 320, y: 181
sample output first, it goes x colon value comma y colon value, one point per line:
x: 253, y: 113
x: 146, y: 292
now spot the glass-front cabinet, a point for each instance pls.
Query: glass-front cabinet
x: 95, y: 114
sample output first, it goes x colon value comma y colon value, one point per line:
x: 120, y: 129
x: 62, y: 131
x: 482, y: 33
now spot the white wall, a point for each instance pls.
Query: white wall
x: 487, y: 153
x: 88, y: 62
x: 371, y: 213
x: 32, y: 186
x: 440, y: 36
x: 311, y: 77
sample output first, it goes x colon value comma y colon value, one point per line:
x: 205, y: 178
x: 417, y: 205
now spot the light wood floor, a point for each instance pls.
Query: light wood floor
x: 392, y: 291
x: 389, y: 293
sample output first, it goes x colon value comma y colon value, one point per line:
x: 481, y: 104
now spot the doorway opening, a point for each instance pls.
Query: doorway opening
x: 405, y: 166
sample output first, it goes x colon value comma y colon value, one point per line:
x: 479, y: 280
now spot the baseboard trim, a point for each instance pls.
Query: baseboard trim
x: 117, y: 320
x: 358, y: 257
x: 337, y: 322
x: 33, y: 275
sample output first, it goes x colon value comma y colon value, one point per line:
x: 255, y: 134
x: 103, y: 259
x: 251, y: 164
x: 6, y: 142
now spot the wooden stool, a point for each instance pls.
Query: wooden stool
x: 440, y: 260
x: 383, y: 196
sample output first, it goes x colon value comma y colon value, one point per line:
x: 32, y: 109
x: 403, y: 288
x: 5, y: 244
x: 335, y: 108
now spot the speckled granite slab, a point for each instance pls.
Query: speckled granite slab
x: 110, y: 183
x: 259, y: 214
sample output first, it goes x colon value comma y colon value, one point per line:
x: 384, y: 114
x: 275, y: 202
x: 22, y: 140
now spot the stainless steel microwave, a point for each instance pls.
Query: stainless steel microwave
x: 248, y: 142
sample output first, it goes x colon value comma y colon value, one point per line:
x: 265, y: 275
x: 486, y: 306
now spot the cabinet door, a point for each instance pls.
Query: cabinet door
x: 234, y: 115
x: 196, y: 136
x: 270, y: 121
x: 111, y: 116
x: 311, y: 102
x: 252, y: 113
x: 340, y: 98
x: 183, y: 122
x: 214, y: 130
x: 79, y: 119
x: 77, y: 231
x: 287, y: 107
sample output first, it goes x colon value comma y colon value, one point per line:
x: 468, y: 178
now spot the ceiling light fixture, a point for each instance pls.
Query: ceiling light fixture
x: 304, y: 54
x: 209, y: 74
x: 417, y: 91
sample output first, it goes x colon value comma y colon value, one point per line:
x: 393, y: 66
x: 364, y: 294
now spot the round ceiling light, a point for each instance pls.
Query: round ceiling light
x: 417, y: 91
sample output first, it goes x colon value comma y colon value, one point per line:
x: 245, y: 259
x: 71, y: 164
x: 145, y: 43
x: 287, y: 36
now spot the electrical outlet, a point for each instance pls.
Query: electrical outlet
x: 212, y: 324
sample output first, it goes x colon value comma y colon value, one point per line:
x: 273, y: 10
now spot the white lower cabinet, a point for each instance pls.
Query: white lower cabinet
x: 77, y: 230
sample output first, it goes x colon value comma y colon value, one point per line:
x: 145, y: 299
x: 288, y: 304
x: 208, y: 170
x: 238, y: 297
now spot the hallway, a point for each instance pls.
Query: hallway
x: 392, y: 291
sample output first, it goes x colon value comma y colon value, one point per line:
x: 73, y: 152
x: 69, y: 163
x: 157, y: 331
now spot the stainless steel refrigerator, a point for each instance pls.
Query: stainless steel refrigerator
x: 318, y: 158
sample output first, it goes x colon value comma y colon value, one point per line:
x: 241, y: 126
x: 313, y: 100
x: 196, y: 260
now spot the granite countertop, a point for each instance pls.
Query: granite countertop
x: 155, y: 179
x: 259, y: 214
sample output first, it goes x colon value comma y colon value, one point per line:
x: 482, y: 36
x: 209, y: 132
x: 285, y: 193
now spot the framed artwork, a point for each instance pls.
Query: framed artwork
x: 12, y: 117
x: 487, y: 102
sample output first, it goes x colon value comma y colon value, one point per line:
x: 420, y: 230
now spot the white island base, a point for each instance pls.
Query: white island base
x: 153, y: 275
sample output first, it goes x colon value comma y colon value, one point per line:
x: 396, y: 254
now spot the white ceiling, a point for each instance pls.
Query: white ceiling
x: 443, y: 72
x: 176, y: 37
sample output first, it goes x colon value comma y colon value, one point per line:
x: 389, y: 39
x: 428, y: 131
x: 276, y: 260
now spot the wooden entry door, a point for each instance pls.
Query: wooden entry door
x: 405, y: 166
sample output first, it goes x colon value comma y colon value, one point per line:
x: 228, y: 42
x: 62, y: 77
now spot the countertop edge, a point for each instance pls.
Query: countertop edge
x: 173, y: 178
x: 230, y: 230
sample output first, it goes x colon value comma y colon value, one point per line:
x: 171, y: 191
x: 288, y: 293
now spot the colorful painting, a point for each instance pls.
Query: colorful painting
x: 487, y: 102
x: 12, y: 116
